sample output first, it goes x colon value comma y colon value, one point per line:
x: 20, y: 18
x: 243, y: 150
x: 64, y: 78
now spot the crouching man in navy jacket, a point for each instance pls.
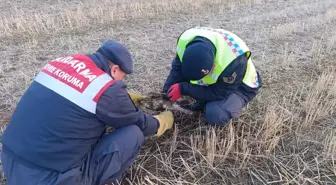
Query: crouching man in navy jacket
x: 214, y: 67
x: 56, y: 135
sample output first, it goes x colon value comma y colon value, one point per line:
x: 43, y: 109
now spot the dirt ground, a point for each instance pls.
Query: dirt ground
x: 286, y: 135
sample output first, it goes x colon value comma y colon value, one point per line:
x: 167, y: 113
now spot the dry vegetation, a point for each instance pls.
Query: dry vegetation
x: 287, y: 135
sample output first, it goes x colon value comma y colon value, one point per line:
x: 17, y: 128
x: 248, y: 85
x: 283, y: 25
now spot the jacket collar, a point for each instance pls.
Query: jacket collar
x: 101, y: 62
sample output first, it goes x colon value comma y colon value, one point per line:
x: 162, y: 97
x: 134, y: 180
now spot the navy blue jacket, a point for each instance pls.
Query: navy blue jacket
x: 218, y: 91
x: 46, y: 131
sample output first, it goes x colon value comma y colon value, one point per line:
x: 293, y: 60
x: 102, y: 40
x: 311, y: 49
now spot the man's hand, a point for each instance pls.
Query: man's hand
x: 174, y: 92
x: 135, y: 97
x: 166, y: 120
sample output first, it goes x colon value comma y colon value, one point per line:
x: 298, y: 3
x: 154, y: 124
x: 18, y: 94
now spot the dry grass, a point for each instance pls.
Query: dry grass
x: 287, y: 135
x: 324, y: 18
x: 321, y: 100
x: 97, y: 13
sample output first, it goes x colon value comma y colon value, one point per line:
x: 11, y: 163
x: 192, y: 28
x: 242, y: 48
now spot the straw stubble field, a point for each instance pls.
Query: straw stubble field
x: 286, y: 135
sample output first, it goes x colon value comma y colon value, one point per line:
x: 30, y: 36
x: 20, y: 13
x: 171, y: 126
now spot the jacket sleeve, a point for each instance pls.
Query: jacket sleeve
x: 116, y: 109
x: 233, y: 76
x: 174, y: 76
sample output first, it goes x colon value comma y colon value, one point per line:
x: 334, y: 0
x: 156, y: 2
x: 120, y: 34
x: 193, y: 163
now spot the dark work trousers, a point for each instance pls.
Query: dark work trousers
x: 114, y: 154
x: 222, y: 111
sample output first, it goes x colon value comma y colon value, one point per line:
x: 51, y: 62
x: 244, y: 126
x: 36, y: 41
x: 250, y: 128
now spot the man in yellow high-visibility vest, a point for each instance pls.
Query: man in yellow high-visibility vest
x: 214, y: 67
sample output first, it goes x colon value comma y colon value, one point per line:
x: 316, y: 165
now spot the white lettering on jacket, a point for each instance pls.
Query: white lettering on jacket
x: 77, y: 79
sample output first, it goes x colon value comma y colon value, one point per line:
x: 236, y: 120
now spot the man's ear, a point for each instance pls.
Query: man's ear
x: 114, y: 69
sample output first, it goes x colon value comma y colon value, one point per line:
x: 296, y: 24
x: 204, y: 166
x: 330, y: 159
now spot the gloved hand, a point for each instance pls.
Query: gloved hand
x: 135, y: 97
x: 166, y: 120
x: 174, y: 92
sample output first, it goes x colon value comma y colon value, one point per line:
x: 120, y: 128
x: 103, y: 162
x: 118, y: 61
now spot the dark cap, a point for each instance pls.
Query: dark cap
x: 198, y: 59
x: 118, y: 54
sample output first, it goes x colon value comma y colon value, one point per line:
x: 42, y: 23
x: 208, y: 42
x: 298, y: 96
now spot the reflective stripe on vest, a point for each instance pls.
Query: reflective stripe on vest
x: 77, y: 79
x: 235, y: 47
x: 251, y: 76
x: 228, y: 45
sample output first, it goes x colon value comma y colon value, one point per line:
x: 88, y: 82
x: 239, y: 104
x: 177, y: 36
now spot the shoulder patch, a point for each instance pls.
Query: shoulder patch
x: 230, y: 79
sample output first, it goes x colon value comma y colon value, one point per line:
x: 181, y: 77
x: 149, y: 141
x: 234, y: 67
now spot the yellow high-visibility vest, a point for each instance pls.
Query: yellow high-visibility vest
x: 228, y: 47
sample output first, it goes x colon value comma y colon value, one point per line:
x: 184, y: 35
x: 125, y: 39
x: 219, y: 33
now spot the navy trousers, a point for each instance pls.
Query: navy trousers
x: 114, y: 154
x: 222, y: 111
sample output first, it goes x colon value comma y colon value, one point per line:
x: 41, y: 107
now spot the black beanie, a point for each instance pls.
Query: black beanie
x: 118, y: 54
x: 198, y: 59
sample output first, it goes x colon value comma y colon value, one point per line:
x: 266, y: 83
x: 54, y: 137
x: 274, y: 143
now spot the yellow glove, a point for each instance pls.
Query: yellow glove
x: 166, y: 120
x: 135, y: 97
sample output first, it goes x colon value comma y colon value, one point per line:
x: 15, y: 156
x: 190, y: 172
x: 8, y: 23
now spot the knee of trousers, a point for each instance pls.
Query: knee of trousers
x: 215, y: 115
x: 135, y: 134
x: 116, y: 153
x: 130, y: 138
